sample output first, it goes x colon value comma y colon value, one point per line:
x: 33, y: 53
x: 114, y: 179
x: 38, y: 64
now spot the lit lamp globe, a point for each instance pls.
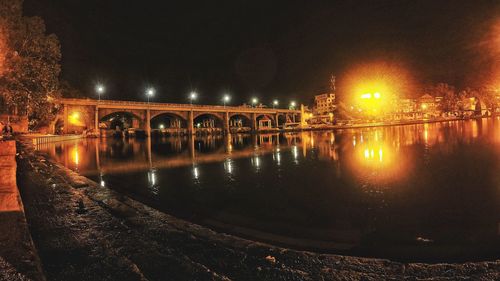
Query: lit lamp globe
x: 99, y: 88
x: 150, y: 93
x: 254, y: 101
x: 192, y: 96
x: 226, y: 99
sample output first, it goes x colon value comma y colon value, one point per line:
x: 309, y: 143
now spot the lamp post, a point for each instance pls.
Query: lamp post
x: 150, y: 93
x: 292, y: 104
x: 99, y: 88
x: 226, y: 99
x: 254, y: 101
x: 275, y: 103
x: 192, y: 96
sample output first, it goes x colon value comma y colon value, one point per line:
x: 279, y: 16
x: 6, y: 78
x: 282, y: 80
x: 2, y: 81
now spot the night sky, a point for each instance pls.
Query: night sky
x: 268, y: 49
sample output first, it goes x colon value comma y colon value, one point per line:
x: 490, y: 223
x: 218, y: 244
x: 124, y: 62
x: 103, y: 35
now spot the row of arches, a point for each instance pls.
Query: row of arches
x: 78, y: 119
x: 123, y: 119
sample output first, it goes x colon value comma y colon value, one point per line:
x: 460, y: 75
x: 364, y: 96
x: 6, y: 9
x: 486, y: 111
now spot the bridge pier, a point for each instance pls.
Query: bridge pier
x: 148, y: 123
x: 254, y: 122
x: 226, y: 122
x: 96, y: 121
x: 66, y: 119
x: 191, y: 122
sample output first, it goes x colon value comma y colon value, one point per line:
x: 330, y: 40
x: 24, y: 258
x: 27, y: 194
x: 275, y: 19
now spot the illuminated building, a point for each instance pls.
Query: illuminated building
x: 324, y: 107
x: 324, y: 103
x: 429, y: 106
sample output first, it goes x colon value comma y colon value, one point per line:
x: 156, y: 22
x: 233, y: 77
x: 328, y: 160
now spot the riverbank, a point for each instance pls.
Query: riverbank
x: 86, y: 232
x: 388, y: 124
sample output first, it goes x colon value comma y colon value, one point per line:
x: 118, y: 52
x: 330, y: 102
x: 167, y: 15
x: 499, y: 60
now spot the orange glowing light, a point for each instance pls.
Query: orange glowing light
x: 75, y: 119
x: 75, y: 155
x: 372, y: 86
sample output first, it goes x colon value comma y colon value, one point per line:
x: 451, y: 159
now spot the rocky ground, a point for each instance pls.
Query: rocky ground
x: 86, y: 232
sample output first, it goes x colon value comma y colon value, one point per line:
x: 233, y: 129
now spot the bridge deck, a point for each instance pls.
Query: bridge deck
x: 114, y: 104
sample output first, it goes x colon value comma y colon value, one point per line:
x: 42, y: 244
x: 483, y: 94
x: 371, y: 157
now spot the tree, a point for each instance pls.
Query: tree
x: 489, y: 96
x: 449, y: 101
x: 30, y: 79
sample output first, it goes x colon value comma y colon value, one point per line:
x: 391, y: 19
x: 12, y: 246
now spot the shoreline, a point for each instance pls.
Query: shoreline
x: 119, y: 238
x: 382, y: 124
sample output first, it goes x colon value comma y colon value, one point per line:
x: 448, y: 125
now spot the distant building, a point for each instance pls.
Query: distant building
x: 324, y: 104
x: 429, y: 106
x: 324, y: 107
x: 404, y: 109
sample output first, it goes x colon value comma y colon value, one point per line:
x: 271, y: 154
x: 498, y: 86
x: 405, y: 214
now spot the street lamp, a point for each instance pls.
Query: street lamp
x: 254, y: 101
x: 226, y: 99
x: 99, y: 88
x: 275, y: 103
x: 292, y: 104
x: 192, y: 96
x: 150, y: 93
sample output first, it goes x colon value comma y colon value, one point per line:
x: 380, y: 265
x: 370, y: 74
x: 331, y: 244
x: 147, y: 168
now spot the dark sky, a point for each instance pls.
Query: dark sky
x: 268, y: 49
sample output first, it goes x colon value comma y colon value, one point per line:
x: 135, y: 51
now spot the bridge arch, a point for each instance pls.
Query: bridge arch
x: 237, y: 120
x: 281, y: 120
x: 121, y: 120
x: 265, y: 121
x: 162, y: 120
x: 208, y: 120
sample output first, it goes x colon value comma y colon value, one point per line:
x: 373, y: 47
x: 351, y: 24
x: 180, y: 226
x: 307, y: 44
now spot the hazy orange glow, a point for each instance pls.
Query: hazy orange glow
x: 75, y: 155
x: 375, y: 158
x: 489, y: 49
x: 374, y: 85
x: 75, y: 119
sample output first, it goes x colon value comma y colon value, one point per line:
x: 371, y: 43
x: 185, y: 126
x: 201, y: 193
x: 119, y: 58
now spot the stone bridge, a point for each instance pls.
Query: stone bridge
x: 81, y: 114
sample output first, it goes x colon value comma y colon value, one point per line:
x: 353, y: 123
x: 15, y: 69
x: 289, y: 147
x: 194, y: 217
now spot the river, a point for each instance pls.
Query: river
x: 425, y: 192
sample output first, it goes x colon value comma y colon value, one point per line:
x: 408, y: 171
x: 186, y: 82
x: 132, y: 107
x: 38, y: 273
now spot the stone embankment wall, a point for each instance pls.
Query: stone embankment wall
x: 18, y: 258
x: 9, y: 197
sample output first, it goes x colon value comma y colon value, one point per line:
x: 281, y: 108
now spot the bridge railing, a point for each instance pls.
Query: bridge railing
x: 44, y: 139
x: 175, y: 105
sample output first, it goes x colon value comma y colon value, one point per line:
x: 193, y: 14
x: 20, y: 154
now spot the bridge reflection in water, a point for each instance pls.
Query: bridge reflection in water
x: 418, y: 192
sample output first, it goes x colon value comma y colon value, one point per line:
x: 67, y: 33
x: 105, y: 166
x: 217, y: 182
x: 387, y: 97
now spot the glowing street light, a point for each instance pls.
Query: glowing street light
x: 275, y: 103
x: 254, y: 101
x: 99, y: 88
x: 293, y: 104
x: 226, y: 99
x: 192, y: 96
x: 150, y: 92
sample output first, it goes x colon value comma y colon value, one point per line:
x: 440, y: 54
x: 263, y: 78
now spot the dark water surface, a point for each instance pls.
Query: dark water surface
x: 428, y: 192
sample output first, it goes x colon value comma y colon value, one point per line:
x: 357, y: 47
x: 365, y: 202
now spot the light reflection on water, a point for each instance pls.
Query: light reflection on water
x: 374, y: 191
